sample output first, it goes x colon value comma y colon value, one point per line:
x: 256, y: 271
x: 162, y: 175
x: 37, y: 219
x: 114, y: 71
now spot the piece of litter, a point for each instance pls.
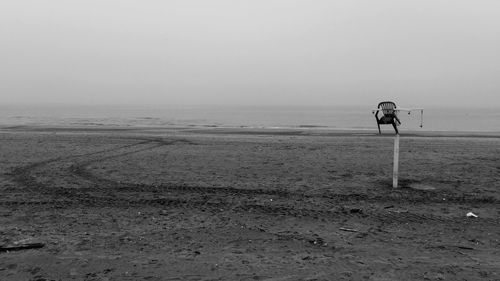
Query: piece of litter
x: 465, y: 247
x: 348, y: 229
x: 26, y: 246
x: 471, y: 215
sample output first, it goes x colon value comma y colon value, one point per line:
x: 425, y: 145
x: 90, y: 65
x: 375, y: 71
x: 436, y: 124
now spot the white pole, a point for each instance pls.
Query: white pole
x: 396, y: 162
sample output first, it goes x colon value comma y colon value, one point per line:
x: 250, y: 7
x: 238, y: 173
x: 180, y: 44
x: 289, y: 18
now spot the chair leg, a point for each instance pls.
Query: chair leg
x: 378, y: 123
x: 395, y: 127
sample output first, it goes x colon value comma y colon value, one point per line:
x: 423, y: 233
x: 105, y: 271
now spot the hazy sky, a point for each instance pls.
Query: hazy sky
x: 257, y: 52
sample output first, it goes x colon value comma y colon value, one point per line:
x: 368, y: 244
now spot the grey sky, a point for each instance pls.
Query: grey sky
x: 258, y: 52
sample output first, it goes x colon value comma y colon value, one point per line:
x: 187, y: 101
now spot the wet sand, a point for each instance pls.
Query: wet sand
x: 247, y: 204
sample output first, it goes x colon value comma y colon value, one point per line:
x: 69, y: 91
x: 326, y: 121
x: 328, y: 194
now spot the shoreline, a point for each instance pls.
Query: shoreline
x: 242, y: 130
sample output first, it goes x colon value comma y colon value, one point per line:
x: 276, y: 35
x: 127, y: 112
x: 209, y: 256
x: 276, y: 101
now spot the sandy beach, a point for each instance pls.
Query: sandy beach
x: 247, y: 204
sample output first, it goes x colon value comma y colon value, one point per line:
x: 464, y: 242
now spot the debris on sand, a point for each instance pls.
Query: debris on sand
x: 21, y: 247
x: 471, y: 215
x: 465, y: 248
x: 356, y: 211
x: 348, y: 229
x: 351, y: 210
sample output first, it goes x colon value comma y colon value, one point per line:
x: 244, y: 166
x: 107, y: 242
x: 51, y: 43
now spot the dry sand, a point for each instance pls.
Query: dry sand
x: 190, y: 204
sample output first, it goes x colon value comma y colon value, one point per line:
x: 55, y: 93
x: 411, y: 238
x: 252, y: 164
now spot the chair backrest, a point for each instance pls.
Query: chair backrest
x: 387, y: 108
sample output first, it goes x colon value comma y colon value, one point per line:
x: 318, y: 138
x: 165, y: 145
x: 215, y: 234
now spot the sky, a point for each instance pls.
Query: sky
x: 251, y: 52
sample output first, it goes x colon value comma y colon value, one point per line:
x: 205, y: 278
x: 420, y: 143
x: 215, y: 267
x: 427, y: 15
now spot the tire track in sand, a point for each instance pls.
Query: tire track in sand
x: 107, y: 192
x: 25, y: 176
x: 218, y: 195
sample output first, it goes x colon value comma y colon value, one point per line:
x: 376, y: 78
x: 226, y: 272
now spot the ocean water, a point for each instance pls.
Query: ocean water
x: 328, y: 118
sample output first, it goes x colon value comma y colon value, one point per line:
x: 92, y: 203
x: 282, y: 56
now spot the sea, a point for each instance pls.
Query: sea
x: 273, y: 117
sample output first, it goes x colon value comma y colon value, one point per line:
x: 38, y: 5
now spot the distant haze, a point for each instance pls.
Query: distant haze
x: 254, y: 52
